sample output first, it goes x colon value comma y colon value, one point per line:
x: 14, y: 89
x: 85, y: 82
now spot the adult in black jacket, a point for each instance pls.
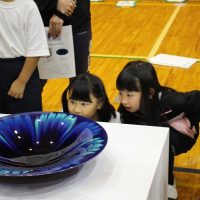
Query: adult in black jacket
x: 56, y: 13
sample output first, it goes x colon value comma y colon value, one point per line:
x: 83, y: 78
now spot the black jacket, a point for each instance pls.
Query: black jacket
x: 170, y: 100
x: 80, y: 19
x: 171, y: 104
x: 179, y: 102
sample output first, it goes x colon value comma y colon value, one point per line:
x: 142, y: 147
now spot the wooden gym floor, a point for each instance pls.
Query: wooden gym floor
x: 124, y: 34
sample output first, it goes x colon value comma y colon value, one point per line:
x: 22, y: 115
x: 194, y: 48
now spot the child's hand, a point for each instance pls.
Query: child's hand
x: 183, y: 126
x: 17, y: 89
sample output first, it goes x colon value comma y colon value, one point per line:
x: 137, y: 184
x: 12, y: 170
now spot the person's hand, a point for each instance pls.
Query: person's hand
x: 66, y: 6
x: 55, y: 26
x: 183, y: 126
x: 17, y: 89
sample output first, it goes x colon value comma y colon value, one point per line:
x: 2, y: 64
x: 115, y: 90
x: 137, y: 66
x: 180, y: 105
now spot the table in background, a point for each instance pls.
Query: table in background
x: 133, y: 166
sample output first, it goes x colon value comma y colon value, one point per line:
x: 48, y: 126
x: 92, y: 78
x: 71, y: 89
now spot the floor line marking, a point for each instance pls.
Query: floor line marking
x: 122, y: 57
x: 164, y: 32
x: 117, y: 56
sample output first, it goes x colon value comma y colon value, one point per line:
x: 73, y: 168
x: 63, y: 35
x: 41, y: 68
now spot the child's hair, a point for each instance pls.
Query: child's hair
x: 141, y: 76
x: 80, y: 89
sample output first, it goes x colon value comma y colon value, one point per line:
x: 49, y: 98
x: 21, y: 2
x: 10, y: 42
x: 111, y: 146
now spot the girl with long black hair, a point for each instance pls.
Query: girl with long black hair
x: 144, y: 101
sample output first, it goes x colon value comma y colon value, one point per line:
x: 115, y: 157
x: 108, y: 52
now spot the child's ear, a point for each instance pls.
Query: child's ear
x: 100, y: 104
x: 151, y: 92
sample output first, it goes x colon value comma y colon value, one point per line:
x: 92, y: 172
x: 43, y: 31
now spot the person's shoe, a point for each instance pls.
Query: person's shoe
x: 172, y: 192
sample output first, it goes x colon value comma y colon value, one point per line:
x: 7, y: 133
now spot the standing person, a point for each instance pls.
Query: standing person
x: 23, y: 41
x: 86, y: 96
x: 144, y: 101
x: 56, y: 13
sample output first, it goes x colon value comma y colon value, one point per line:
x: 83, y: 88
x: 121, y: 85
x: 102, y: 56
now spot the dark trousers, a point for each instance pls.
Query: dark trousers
x: 178, y: 144
x: 82, y: 51
x: 31, y: 101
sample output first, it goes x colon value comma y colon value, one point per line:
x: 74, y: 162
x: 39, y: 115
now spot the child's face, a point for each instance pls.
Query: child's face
x: 130, y: 100
x: 84, y: 108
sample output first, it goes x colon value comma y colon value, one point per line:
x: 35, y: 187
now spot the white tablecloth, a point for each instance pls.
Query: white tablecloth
x: 133, y: 166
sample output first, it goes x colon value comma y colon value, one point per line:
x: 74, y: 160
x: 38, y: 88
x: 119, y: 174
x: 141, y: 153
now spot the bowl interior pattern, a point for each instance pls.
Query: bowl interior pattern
x: 39, y: 143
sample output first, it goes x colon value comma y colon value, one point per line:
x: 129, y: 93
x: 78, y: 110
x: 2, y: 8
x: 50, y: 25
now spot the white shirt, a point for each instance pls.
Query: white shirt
x: 21, y: 30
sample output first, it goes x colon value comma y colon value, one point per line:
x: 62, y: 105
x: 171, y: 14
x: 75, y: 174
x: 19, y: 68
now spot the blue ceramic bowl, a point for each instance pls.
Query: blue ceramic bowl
x: 40, y: 143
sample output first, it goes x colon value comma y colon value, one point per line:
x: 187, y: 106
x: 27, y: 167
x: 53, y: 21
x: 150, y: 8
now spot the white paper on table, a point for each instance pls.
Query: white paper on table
x: 172, y: 60
x: 125, y: 3
x: 60, y: 63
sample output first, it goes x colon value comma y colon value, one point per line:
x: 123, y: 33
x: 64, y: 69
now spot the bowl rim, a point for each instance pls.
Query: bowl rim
x: 33, y: 172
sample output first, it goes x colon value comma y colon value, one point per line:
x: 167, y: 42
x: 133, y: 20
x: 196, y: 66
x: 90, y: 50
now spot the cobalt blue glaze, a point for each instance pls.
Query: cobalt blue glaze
x: 39, y: 143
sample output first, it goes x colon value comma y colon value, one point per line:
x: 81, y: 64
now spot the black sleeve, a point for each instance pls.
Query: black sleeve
x: 47, y: 9
x: 192, y: 105
x: 46, y: 6
x: 178, y: 102
x: 192, y: 101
